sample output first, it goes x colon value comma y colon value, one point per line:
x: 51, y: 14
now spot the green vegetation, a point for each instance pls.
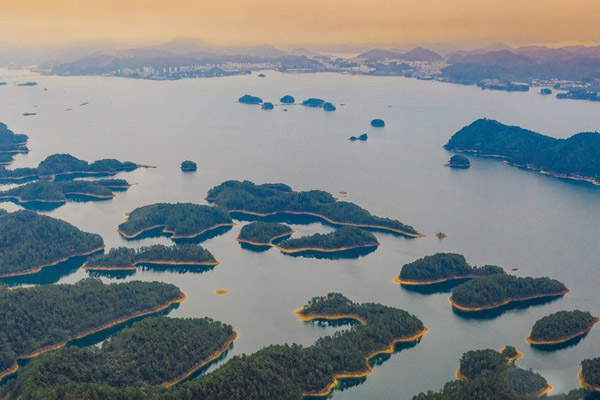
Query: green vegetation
x: 497, y: 290
x: 313, y: 102
x: 267, y: 105
x: 561, y: 326
x: 590, y: 372
x: 37, y: 318
x: 263, y: 232
x: 11, y: 143
x: 328, y: 106
x: 487, y: 375
x: 287, y: 99
x: 180, y: 219
x: 275, y: 198
x: 151, y: 352
x: 510, y: 352
x: 31, y: 241
x: 362, y: 137
x: 247, y: 99
x: 443, y: 266
x: 459, y: 161
x: 114, y: 184
x: 344, y: 238
x: 577, y: 157
x: 377, y: 123
x: 188, y: 165
x: 127, y: 258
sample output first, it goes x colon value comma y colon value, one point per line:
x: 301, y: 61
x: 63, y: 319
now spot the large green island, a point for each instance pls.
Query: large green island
x: 31, y: 242
x: 38, y: 319
x: 342, y: 239
x: 245, y: 197
x: 498, y: 290
x: 442, y: 267
x: 561, y: 327
x: 260, y: 233
x: 124, y: 258
x: 179, y: 221
x: 577, y: 157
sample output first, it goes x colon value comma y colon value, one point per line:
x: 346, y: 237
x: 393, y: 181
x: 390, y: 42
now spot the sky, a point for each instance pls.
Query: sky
x: 299, y: 22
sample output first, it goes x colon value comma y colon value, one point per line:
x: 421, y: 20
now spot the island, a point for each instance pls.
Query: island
x: 589, y: 376
x: 28, y: 114
x: 441, y: 235
x: 576, y: 158
x: 313, y: 102
x: 32, y: 241
x: 458, y: 161
x: 545, y: 91
x: 486, y: 374
x: 271, y: 199
x: 267, y: 105
x: 155, y: 351
x: 377, y: 123
x: 442, y: 267
x: 262, y: 76
x: 327, y: 106
x: 188, y: 166
x: 261, y: 233
x: 178, y: 221
x: 561, y: 327
x: 11, y: 144
x: 287, y: 99
x: 362, y: 137
x: 58, y: 314
x: 26, y: 84
x: 124, y: 258
x: 248, y: 99
x: 498, y: 290
x: 342, y: 239
x: 114, y: 184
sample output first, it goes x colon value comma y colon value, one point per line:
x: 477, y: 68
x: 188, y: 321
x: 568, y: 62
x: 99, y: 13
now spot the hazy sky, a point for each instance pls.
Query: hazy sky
x: 290, y: 22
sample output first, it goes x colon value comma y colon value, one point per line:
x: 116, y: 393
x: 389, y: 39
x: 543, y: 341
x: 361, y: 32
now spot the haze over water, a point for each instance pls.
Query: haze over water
x: 492, y: 213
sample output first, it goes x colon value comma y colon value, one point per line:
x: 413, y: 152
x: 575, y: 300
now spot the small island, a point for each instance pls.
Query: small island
x: 327, y: 106
x: 248, y: 99
x: 287, y: 99
x: 262, y: 76
x: 545, y: 91
x: 31, y: 241
x: 342, y: 239
x: 261, y: 233
x: 58, y: 314
x: 458, y: 161
x: 362, y: 137
x: 270, y: 199
x: 188, y: 166
x: 441, y: 235
x: 124, y: 258
x: 267, y: 105
x: 377, y: 123
x: 155, y: 351
x: 313, y: 102
x: 561, y: 327
x: 589, y: 377
x: 498, y: 290
x: 442, y: 267
x: 26, y: 84
x: 28, y: 114
x: 179, y: 221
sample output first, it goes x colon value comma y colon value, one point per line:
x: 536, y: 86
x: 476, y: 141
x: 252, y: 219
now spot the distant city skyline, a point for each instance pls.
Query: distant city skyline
x: 468, y: 23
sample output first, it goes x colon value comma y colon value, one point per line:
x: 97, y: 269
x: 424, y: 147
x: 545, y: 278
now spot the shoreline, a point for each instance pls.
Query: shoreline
x: 309, y: 318
x: 173, y: 236
x: 512, y: 359
x: 323, y: 250
x: 9, y: 372
x: 400, y: 281
x: 383, y: 228
x: 508, y: 301
x: 205, y: 362
x: 182, y: 297
x: 361, y: 374
x: 152, y: 262
x: 563, y: 340
x: 586, y: 385
x: 270, y: 243
x: 38, y: 269
x: 21, y: 201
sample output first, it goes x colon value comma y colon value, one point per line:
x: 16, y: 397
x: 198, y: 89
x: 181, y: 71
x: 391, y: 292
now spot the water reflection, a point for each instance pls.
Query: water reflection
x: 47, y: 275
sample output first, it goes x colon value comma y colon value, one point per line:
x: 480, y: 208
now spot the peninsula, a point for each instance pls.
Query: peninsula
x: 561, y: 327
x: 498, y: 290
x: 11, y: 144
x: 179, y: 221
x: 576, y: 158
x: 442, y: 267
x: 124, y: 258
x: 31, y: 241
x: 261, y: 233
x: 342, y: 239
x: 245, y: 197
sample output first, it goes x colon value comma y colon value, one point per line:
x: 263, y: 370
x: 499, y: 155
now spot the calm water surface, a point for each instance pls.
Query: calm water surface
x: 492, y: 213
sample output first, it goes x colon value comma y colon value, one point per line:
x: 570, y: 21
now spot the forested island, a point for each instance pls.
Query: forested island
x: 124, y: 258
x: 561, y: 327
x: 590, y: 374
x: 363, y: 137
x: 249, y: 99
x: 342, y: 239
x: 486, y: 374
x: 577, y: 157
x: 458, y: 161
x: 188, y: 166
x: 180, y: 220
x: 499, y: 290
x: 313, y: 102
x: 66, y: 165
x: 38, y: 319
x: 261, y: 233
x: 59, y: 192
x: 287, y: 99
x: 442, y: 267
x: 31, y: 242
x: 10, y: 144
x: 154, y: 351
x: 377, y: 123
x: 245, y: 197
x: 267, y: 105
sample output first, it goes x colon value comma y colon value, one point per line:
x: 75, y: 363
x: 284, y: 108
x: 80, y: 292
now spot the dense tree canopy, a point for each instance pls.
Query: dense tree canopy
x: 263, y: 232
x: 561, y: 325
x: 346, y: 237
x: 590, y: 371
x: 11, y: 143
x: 248, y: 99
x: 441, y: 266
